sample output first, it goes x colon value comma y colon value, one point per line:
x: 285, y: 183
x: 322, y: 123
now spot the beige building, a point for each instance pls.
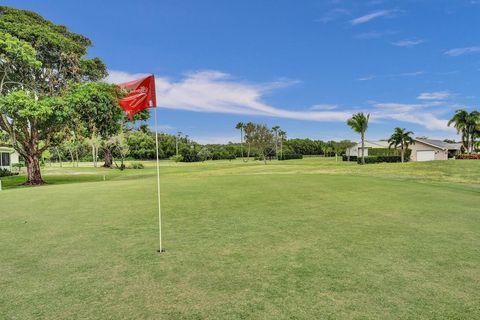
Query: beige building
x: 8, y: 158
x: 429, y: 150
x: 356, y: 150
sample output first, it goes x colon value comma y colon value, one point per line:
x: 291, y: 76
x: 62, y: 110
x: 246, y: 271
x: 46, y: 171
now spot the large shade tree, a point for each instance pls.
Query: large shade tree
x: 401, y: 138
x: 39, y: 61
x: 359, y: 123
x: 262, y: 139
x: 99, y: 114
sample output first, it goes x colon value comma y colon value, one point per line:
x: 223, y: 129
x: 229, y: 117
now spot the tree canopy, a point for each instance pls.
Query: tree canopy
x: 39, y: 62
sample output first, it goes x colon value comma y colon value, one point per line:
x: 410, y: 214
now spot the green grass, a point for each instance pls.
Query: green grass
x: 303, y: 239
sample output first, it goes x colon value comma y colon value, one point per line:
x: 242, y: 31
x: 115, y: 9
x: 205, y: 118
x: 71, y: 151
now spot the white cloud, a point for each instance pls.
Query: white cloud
x: 374, y: 34
x: 218, y: 92
x: 462, y: 51
x: 324, y: 107
x: 366, y: 78
x: 333, y: 15
x: 115, y: 76
x: 394, y: 75
x: 425, y: 119
x: 164, y: 127
x: 407, y: 43
x: 369, y: 17
x: 411, y: 113
x: 215, y: 139
x: 439, y: 95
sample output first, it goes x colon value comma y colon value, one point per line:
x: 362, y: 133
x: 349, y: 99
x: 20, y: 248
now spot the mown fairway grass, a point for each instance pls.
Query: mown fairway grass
x: 303, y: 239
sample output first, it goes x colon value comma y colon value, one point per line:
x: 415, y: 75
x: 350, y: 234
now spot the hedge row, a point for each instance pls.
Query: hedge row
x: 379, y: 159
x: 291, y: 156
x: 7, y: 173
x: 469, y: 156
x: 346, y: 158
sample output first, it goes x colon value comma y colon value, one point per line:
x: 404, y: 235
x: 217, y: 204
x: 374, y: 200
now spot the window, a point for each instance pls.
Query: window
x: 4, y: 159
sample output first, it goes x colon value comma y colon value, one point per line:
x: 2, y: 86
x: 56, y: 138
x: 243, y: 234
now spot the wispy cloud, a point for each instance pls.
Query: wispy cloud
x: 165, y: 127
x: 324, y: 107
x: 215, y: 139
x: 393, y: 75
x: 366, y: 78
x: 333, y: 15
x: 218, y: 92
x: 407, y: 74
x: 375, y: 34
x: 462, y: 51
x: 438, y: 95
x: 371, y: 16
x: 408, y: 43
x: 411, y: 113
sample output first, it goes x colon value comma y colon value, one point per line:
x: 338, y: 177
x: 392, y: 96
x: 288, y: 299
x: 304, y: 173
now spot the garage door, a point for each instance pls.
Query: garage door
x: 425, y: 155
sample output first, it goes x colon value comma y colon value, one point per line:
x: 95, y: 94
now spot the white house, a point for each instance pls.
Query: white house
x: 429, y: 149
x: 422, y: 149
x: 8, y: 158
x: 356, y: 150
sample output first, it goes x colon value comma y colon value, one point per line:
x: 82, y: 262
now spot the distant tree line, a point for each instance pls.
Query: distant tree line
x: 138, y: 143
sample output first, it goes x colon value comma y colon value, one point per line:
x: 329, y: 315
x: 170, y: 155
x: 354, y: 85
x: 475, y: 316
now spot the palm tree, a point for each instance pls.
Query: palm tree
x: 275, y: 130
x: 359, y: 123
x: 459, y: 121
x: 249, y: 128
x: 466, y: 124
x: 283, y: 137
x: 240, y: 126
x: 401, y: 138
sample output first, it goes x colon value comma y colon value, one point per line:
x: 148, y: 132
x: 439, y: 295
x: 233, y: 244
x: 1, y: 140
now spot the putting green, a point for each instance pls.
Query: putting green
x: 304, y: 239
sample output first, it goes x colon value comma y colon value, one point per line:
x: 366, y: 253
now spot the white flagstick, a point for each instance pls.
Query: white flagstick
x: 158, y: 184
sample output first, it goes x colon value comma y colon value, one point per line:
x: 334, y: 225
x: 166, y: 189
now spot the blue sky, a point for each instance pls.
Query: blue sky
x: 304, y: 65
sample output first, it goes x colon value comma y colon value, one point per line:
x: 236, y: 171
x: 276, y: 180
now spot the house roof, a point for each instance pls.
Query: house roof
x: 373, y: 144
x: 440, y: 144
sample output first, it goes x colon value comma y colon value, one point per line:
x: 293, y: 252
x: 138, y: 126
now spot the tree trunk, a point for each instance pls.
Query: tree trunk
x: 363, y: 148
x: 276, y: 145
x: 248, y: 154
x: 71, y: 158
x: 108, y: 158
x: 34, y: 176
x: 403, y: 154
x: 241, y: 142
x: 59, y: 157
x: 94, y: 155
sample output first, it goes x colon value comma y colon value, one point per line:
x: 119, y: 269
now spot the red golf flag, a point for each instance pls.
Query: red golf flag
x: 141, y: 95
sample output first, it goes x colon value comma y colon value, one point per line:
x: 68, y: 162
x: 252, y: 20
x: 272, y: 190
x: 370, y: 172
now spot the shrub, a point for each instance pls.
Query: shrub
x: 352, y: 158
x: 137, y: 165
x: 223, y: 155
x: 191, y: 157
x: 379, y: 159
x: 291, y: 156
x: 475, y: 156
x: 7, y: 173
x: 176, y: 158
x: 383, y: 152
x: 388, y: 152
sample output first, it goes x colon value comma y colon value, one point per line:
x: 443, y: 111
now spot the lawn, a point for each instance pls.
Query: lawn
x: 300, y: 239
